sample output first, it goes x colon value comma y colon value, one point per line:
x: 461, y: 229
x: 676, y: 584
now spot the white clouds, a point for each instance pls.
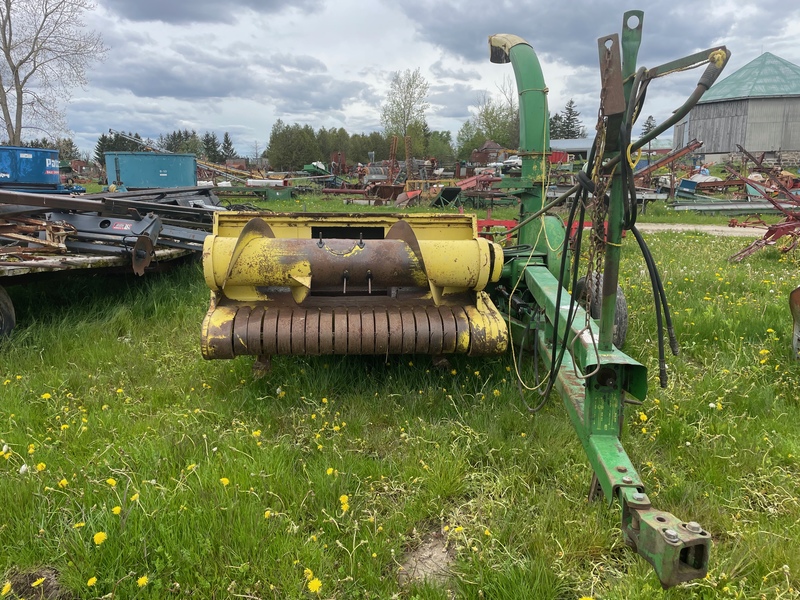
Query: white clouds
x: 205, y: 65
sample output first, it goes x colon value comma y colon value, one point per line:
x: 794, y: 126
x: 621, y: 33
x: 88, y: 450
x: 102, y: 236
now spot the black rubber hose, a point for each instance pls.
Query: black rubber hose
x: 653, y: 271
x: 673, y: 340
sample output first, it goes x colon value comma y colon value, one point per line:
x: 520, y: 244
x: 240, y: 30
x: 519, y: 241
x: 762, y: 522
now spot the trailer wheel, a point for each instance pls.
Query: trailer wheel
x: 7, y: 317
x: 621, y: 318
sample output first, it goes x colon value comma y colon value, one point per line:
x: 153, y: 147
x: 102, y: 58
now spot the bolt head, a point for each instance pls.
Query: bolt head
x: 622, y: 469
x: 671, y: 535
x: 627, y: 479
x: 639, y: 497
x: 694, y: 527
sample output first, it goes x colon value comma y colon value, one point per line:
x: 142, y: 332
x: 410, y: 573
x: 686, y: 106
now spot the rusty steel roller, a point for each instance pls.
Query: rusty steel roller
x: 367, y: 285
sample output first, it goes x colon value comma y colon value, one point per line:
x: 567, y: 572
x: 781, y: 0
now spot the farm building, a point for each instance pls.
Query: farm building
x: 757, y: 107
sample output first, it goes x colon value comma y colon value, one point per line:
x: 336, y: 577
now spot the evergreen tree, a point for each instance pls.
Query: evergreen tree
x: 228, y: 151
x: 115, y: 143
x: 572, y: 126
x: 649, y: 125
x: 211, y: 147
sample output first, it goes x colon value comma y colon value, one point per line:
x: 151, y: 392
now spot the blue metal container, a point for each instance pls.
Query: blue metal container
x: 137, y: 170
x: 28, y: 167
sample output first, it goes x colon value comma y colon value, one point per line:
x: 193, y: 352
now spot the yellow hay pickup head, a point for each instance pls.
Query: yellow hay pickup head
x: 349, y: 284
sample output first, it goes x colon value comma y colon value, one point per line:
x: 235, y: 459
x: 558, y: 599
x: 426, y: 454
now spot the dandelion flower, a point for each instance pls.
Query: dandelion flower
x: 116, y: 510
x: 257, y: 433
x: 99, y: 537
x: 111, y: 481
x: 64, y: 427
x: 642, y: 417
x: 79, y: 525
x: 38, y: 582
x: 315, y: 585
x: 267, y: 514
x: 41, y: 467
x: 6, y: 588
x: 224, y: 480
x: 191, y: 467
x: 143, y: 581
x: 46, y: 396
x: 63, y: 483
x: 91, y: 582
x: 135, y: 497
x: 308, y: 573
x: 329, y: 471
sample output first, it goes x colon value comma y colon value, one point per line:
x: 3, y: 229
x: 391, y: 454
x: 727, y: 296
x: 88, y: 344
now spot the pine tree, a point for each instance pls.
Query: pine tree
x: 228, y: 151
x: 649, y: 125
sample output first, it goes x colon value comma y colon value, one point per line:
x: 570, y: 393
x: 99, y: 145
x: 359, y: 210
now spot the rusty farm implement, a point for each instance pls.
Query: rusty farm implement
x: 384, y: 284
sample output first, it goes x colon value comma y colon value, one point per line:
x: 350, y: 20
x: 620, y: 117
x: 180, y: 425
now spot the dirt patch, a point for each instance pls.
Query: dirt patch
x: 48, y: 589
x: 431, y: 561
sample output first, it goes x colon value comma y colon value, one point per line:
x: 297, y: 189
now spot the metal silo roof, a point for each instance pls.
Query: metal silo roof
x: 766, y: 76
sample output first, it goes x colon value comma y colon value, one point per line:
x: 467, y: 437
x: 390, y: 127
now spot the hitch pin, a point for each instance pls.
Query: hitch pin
x: 320, y: 243
x: 360, y: 239
x: 345, y: 277
x: 369, y: 281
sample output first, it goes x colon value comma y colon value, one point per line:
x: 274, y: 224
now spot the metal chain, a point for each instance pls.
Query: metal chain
x: 597, y: 206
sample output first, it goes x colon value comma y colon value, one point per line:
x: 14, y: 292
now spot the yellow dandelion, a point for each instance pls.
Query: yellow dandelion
x: 486, y: 532
x: 6, y: 588
x: 763, y: 352
x: 345, y: 507
x: 64, y: 427
x: 329, y: 471
x: 120, y: 391
x: 99, y: 537
x: 314, y: 586
x: 41, y: 467
x: 135, y: 497
x: 63, y: 483
x: 324, y: 400
x: 31, y: 448
x: 143, y: 581
x: 38, y: 582
x: 79, y: 525
x: 191, y: 467
x: 91, y: 582
x: 46, y: 396
x: 496, y: 393
x: 257, y: 433
x: 224, y: 480
x: 308, y: 573
x: 642, y: 417
x: 111, y: 481
x: 267, y: 514
x: 344, y: 499
x: 116, y: 510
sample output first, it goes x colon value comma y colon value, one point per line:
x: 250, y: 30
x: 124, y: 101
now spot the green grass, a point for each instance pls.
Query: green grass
x: 233, y: 487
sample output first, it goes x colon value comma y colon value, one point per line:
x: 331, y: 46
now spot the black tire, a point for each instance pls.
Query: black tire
x: 621, y: 316
x: 7, y: 317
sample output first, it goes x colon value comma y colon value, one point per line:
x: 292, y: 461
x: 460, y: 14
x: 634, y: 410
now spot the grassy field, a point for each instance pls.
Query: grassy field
x: 135, y: 469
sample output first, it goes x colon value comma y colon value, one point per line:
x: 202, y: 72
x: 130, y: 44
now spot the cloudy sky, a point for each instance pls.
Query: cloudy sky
x: 239, y: 66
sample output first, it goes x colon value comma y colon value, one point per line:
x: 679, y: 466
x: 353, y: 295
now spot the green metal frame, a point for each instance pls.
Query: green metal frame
x: 594, y: 376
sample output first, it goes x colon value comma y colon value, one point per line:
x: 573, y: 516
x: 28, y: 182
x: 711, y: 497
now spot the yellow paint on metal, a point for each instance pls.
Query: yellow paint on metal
x: 270, y: 273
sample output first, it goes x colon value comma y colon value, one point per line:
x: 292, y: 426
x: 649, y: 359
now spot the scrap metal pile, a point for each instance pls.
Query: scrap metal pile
x: 47, y: 233
x: 303, y: 283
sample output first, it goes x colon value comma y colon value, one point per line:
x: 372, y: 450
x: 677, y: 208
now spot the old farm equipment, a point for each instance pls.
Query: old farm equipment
x: 787, y: 230
x: 388, y: 283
